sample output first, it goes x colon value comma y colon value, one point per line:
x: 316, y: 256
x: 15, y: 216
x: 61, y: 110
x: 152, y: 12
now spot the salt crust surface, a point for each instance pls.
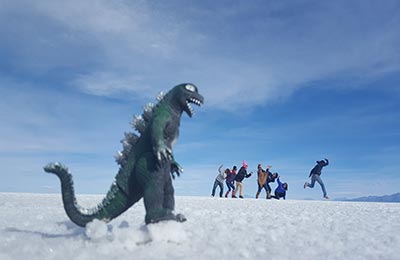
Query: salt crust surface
x: 35, y: 226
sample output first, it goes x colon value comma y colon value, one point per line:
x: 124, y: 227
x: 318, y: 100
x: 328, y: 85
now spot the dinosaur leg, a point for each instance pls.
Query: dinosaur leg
x: 158, y: 193
x: 154, y: 199
x: 152, y: 178
x: 169, y: 200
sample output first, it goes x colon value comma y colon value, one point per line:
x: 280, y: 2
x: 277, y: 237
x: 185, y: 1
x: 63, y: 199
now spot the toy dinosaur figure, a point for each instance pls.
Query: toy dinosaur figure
x: 146, y: 163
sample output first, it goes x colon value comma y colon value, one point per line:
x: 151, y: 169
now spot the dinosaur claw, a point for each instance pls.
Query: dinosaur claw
x: 180, y: 218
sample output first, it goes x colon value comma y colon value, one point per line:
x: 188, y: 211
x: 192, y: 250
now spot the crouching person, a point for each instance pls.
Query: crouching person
x: 280, y: 191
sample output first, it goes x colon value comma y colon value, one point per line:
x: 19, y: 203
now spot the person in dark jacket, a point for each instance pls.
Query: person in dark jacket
x: 239, y: 178
x: 230, y: 180
x: 315, y: 175
x: 271, y: 178
x: 280, y: 191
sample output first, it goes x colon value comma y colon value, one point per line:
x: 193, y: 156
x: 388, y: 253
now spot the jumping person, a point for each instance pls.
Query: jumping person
x: 315, y: 175
x: 230, y: 180
x: 239, y: 178
x: 219, y: 181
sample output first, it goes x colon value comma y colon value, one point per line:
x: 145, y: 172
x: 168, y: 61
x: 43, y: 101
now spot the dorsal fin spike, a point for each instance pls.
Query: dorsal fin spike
x: 148, y: 112
x: 127, y: 146
x: 119, y: 157
x: 160, y: 96
x: 139, y: 124
x: 149, y: 106
x: 131, y: 138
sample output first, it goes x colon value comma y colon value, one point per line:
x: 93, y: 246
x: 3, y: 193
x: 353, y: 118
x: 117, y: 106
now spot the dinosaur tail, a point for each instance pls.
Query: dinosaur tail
x: 114, y: 204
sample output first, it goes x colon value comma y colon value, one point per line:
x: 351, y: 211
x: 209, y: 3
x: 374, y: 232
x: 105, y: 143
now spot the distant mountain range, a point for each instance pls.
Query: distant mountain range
x: 386, y: 198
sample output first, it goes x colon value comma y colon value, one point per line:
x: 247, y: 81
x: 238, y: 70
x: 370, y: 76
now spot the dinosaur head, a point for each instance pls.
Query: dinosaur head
x: 184, y: 95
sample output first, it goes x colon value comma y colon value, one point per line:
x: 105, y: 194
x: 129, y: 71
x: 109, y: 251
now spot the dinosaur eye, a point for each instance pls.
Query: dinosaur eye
x: 190, y: 88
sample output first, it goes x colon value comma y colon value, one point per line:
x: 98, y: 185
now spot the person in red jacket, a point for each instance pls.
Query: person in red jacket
x: 230, y: 181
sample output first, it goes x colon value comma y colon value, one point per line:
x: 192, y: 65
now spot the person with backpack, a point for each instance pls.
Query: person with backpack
x: 239, y: 178
x: 315, y: 175
x: 219, y: 181
x: 230, y: 180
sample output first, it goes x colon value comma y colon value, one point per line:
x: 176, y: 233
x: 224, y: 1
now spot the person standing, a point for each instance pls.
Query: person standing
x: 315, y: 175
x: 230, y: 180
x: 219, y: 181
x: 239, y: 178
x: 262, y: 180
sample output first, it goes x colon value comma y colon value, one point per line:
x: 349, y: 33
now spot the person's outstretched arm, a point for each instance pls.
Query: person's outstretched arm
x: 326, y: 162
x: 220, y: 168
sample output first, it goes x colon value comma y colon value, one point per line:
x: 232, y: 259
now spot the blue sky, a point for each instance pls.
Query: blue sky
x: 284, y: 83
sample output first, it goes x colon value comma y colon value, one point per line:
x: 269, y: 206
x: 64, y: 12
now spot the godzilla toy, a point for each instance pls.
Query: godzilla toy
x: 146, y: 164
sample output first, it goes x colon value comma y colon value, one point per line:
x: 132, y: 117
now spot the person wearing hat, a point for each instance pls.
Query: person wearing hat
x: 315, y: 175
x: 239, y: 178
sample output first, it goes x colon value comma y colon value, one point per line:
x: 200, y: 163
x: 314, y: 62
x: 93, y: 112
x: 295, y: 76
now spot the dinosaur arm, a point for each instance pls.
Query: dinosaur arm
x: 160, y: 148
x: 165, y: 129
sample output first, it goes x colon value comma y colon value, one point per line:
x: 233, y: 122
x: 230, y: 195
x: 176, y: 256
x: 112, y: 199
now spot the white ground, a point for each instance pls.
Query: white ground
x: 35, y: 226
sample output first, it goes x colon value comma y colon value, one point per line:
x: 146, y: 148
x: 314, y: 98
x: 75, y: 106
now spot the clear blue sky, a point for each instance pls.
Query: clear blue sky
x: 285, y: 83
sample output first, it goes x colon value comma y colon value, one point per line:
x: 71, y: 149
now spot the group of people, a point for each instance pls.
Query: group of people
x: 264, y: 178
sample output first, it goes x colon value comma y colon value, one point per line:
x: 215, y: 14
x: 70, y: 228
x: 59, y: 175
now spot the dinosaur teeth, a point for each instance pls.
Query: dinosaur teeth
x: 189, y: 107
x: 195, y: 101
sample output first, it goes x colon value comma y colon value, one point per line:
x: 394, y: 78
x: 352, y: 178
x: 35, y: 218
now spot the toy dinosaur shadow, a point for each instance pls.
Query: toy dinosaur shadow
x: 74, y: 231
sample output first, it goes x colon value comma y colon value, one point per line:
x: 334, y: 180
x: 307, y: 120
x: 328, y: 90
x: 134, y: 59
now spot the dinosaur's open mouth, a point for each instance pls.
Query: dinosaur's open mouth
x: 190, y: 109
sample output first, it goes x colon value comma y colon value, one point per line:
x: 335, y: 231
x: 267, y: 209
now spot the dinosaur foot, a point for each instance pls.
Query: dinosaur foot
x: 167, y: 217
x: 180, y: 217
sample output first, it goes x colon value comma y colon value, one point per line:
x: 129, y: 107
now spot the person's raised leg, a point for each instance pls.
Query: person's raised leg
x: 312, y: 181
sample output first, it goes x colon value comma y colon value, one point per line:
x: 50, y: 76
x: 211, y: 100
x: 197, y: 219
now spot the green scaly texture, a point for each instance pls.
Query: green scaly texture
x: 146, y: 164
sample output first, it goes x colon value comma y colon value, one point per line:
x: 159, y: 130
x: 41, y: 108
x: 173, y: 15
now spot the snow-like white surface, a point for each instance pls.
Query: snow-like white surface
x: 35, y: 226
